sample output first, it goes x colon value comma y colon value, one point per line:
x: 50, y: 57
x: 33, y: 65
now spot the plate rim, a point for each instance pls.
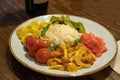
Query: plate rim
x: 62, y: 75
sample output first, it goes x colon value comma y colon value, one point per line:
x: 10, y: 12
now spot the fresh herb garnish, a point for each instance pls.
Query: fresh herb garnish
x: 44, y: 30
x: 77, y: 41
x: 54, y: 47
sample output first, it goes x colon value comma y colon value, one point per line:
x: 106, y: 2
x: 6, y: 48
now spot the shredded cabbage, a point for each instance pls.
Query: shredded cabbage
x: 61, y: 34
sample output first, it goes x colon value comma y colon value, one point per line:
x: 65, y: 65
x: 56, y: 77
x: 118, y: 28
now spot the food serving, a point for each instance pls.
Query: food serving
x: 61, y: 43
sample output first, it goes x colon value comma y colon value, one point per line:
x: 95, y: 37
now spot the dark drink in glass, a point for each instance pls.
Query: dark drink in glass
x: 36, y: 7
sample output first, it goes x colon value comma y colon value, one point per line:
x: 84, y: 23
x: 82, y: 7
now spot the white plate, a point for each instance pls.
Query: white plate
x: 18, y: 52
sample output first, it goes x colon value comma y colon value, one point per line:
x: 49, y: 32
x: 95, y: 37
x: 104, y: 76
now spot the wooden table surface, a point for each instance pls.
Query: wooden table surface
x: 12, y: 13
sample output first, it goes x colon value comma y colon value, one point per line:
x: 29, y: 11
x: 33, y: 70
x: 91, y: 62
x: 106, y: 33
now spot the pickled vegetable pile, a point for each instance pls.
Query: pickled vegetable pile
x: 61, y: 43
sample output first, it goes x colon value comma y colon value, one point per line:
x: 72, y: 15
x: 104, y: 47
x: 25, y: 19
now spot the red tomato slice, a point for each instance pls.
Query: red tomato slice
x: 40, y: 44
x: 31, y: 54
x: 43, y: 55
x: 45, y: 43
x: 33, y: 44
x: 30, y: 41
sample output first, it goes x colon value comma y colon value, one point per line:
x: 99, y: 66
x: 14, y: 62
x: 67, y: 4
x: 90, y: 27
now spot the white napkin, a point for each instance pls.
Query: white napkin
x: 115, y: 65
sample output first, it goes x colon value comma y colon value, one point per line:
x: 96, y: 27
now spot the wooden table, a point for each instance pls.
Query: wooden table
x: 12, y: 13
